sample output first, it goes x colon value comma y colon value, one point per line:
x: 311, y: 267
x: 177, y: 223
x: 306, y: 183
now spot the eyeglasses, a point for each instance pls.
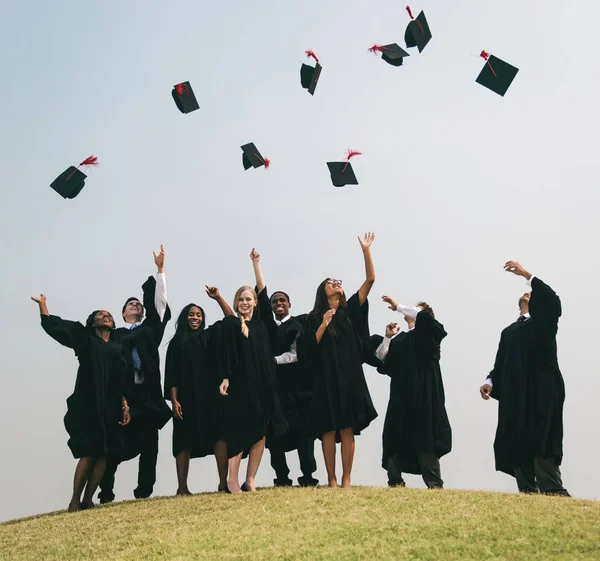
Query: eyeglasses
x: 333, y: 281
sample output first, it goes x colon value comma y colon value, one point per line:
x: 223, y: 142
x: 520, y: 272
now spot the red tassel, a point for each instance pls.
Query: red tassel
x: 352, y: 153
x: 267, y: 163
x: 409, y: 12
x: 376, y: 49
x: 310, y: 53
x: 486, y: 56
x: 181, y: 88
x: 90, y: 161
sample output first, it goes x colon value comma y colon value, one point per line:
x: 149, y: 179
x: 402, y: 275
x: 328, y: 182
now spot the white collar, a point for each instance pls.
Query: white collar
x: 525, y: 315
x: 132, y: 325
x: 280, y: 321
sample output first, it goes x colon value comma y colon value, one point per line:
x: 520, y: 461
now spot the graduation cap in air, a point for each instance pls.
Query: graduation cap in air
x: 341, y: 172
x: 71, y: 181
x: 184, y: 97
x: 251, y: 157
x: 309, y: 75
x: 496, y: 75
x: 392, y: 54
x: 417, y: 32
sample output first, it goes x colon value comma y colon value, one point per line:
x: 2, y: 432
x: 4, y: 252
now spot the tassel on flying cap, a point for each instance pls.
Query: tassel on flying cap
x: 309, y: 75
x: 184, y: 97
x: 71, y: 181
x: 496, y: 75
x: 392, y: 54
x: 417, y: 32
x: 252, y: 158
x: 341, y: 172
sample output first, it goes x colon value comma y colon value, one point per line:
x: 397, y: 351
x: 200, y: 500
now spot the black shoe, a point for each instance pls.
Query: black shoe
x: 105, y: 497
x: 280, y: 482
x: 396, y: 484
x: 142, y: 493
x: 244, y: 488
x: 307, y: 481
x: 561, y: 493
x: 224, y: 490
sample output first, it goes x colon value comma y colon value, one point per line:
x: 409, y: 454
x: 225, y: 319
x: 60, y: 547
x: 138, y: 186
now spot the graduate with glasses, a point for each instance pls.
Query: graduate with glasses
x: 335, y: 333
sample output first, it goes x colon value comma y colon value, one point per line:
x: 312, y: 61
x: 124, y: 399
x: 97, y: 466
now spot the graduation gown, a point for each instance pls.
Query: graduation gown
x: 529, y: 386
x: 294, y: 386
x: 416, y: 420
x: 252, y: 408
x: 94, y: 409
x: 148, y: 408
x: 341, y: 398
x: 191, y: 368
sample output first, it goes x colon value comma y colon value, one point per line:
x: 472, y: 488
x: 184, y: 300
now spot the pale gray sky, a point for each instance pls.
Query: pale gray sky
x: 454, y: 180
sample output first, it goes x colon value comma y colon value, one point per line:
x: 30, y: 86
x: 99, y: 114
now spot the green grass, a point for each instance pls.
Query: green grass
x: 313, y: 524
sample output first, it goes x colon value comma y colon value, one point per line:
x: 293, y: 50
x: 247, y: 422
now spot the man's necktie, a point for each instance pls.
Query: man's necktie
x: 521, y: 319
x: 137, y: 361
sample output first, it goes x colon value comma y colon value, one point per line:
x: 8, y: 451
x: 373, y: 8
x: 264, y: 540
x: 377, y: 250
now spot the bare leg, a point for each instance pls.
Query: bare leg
x: 221, y: 457
x: 254, y: 458
x: 233, y: 480
x: 347, y: 456
x: 84, y: 465
x: 182, y: 464
x: 93, y: 481
x: 328, y: 445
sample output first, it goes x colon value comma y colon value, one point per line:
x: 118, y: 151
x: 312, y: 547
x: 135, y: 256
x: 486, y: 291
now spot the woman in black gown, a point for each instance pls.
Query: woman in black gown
x: 335, y: 333
x: 192, y: 385
x: 98, y: 407
x: 247, y: 368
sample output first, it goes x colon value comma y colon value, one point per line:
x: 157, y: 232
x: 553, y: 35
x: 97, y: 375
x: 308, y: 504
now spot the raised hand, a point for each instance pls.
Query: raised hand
x: 366, y: 242
x: 485, y: 391
x: 516, y: 268
x: 224, y: 387
x: 41, y: 300
x: 327, y: 317
x: 213, y: 292
x: 391, y: 329
x: 255, y: 256
x: 159, y: 259
x: 393, y: 305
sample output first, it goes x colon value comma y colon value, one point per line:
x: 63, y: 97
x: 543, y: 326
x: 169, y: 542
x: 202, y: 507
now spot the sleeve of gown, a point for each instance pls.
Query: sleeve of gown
x: 496, y: 373
x: 428, y: 333
x: 360, y: 316
x: 153, y: 320
x: 70, y: 334
x: 228, y: 361
x: 544, y: 305
x: 265, y: 313
x: 309, y: 347
x: 172, y: 368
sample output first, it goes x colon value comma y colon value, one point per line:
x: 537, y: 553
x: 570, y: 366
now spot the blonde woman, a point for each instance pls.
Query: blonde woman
x: 247, y: 369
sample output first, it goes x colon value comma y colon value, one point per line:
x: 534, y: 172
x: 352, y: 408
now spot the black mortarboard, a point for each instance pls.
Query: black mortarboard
x: 309, y: 75
x: 251, y: 157
x: 71, y: 181
x: 341, y: 172
x: 184, y: 97
x: 392, y: 54
x: 496, y: 75
x: 417, y: 32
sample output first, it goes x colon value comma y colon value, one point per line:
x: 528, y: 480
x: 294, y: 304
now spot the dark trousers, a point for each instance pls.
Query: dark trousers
x: 540, y: 475
x: 148, y: 446
x: 430, y: 471
x: 308, y: 464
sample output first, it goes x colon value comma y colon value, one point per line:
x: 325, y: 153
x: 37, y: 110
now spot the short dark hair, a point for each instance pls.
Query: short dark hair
x: 281, y: 292
x: 426, y: 308
x: 132, y: 299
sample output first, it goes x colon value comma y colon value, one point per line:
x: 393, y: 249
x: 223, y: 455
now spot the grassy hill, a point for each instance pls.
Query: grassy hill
x: 313, y: 524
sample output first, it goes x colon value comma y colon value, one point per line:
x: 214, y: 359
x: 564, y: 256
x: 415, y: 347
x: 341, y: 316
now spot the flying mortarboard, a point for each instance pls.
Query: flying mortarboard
x: 341, y: 172
x: 392, y: 54
x: 496, y: 75
x: 251, y: 157
x: 417, y: 32
x: 71, y: 181
x: 184, y: 98
x: 309, y: 75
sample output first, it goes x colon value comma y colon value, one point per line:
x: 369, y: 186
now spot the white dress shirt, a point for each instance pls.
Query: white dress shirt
x: 489, y: 380
x: 384, y: 348
x: 289, y: 356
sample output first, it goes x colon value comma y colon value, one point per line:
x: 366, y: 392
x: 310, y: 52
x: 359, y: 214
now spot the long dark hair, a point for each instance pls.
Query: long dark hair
x: 341, y: 317
x: 183, y: 333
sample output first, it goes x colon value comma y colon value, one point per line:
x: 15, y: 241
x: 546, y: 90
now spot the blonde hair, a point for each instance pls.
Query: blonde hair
x: 236, y: 299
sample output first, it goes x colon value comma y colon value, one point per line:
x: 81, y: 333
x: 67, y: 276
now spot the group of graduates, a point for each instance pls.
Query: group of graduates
x: 262, y: 377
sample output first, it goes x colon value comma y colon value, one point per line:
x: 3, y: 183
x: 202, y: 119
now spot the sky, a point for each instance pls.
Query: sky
x: 454, y: 181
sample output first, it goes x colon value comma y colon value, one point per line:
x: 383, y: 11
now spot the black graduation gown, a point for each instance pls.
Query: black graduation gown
x: 252, y: 408
x: 94, y: 409
x: 341, y: 398
x: 191, y: 368
x: 529, y: 386
x: 294, y: 386
x: 416, y: 420
x: 148, y: 407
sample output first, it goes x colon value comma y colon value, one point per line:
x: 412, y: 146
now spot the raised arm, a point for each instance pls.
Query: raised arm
x: 68, y: 333
x: 214, y: 294
x: 260, y: 280
x: 365, y: 244
x: 409, y: 311
x: 41, y: 302
x: 160, y: 291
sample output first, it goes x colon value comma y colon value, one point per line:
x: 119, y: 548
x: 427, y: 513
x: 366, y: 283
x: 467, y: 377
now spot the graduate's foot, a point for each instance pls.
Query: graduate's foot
x: 282, y: 482
x: 346, y: 483
x: 222, y: 488
x: 185, y: 491
x: 249, y: 487
x: 234, y: 487
x: 86, y: 505
x: 74, y: 506
x: 105, y: 498
x: 307, y: 481
x: 142, y: 493
x: 332, y: 483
